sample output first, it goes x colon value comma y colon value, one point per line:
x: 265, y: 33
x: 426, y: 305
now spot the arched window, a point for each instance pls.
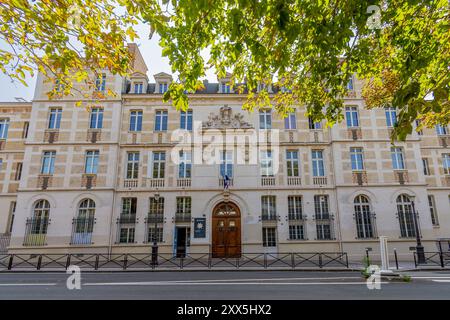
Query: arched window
x: 37, y: 225
x: 405, y: 216
x: 365, y: 224
x: 84, y: 222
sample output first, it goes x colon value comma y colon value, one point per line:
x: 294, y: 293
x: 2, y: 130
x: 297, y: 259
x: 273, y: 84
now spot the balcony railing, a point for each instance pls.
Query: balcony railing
x: 294, y: 181
x: 221, y: 182
x: 4, y: 242
x: 36, y: 231
x: 44, y: 181
x: 93, y: 135
x: 267, y: 181
x: 401, y: 176
x: 359, y: 177
x: 269, y: 217
x: 321, y: 181
x: 184, y: 182
x: 130, y: 183
x: 82, y: 229
x: 127, y: 218
x: 155, y: 182
x: 182, y: 217
x: 155, y: 218
x: 51, y: 135
x: 296, y: 217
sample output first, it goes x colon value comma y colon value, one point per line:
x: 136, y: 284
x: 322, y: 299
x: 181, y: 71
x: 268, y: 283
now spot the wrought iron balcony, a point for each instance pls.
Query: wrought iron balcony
x: 155, y: 218
x: 182, y: 217
x: 36, y: 231
x: 126, y: 218
x: 269, y: 217
x: 82, y: 229
x: 296, y: 217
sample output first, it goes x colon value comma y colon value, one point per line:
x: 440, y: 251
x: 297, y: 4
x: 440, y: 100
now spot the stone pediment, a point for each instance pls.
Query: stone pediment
x: 226, y: 120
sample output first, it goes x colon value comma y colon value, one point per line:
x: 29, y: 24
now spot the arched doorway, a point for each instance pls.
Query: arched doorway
x: 226, y: 230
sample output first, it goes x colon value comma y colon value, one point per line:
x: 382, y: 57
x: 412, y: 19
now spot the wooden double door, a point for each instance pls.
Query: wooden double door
x: 226, y: 231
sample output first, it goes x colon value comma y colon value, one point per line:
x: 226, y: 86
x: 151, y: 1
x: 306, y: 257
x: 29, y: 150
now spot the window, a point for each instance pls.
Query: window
x: 397, y: 158
x: 314, y: 125
x: 363, y: 218
x: 317, y: 163
x: 48, y: 162
x: 351, y: 115
x: 446, y: 162
x: 290, y: 122
x: 266, y: 163
x: 163, y: 86
x: 85, y: 219
x: 138, y: 87
x: 26, y: 126
x: 136, y: 120
x: 96, y: 121
x: 186, y: 120
x: 18, y: 174
x: 59, y: 87
x: 161, y: 120
x: 350, y: 84
x: 132, y: 165
x: 269, y: 237
x: 292, y: 163
x: 405, y: 216
x: 91, y: 163
x: 127, y: 235
x: 265, y: 119
x: 54, y: 120
x: 426, y: 168
x: 226, y: 88
x: 321, y: 207
x: 100, y: 82
x: 268, y: 207
x: 4, y: 125
x: 226, y: 164
x: 294, y: 207
x: 441, y: 130
x: 159, y: 165
x: 357, y: 159
x: 296, y: 232
x: 433, y: 213
x: 156, y: 207
x: 183, y: 205
x: 152, y: 234
x: 391, y: 116
x: 419, y: 132
x: 129, y: 206
x: 185, y: 166
x: 39, y: 222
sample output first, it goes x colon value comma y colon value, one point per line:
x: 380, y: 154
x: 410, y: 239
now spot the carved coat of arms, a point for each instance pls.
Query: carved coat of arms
x: 226, y: 120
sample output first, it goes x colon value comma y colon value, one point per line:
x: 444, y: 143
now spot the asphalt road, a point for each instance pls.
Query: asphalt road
x: 254, y: 285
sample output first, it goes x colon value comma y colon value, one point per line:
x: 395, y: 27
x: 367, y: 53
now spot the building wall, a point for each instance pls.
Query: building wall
x: 67, y: 189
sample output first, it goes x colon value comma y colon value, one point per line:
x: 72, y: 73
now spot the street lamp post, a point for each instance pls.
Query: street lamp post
x: 419, y: 247
x: 155, y: 230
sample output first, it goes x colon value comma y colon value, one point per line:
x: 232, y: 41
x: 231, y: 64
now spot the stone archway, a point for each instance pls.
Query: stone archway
x: 226, y: 230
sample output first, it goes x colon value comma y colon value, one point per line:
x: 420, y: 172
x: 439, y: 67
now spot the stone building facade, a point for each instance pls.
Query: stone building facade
x: 115, y: 177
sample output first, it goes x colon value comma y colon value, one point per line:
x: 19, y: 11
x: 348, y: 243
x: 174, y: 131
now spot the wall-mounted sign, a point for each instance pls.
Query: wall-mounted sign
x: 199, y: 227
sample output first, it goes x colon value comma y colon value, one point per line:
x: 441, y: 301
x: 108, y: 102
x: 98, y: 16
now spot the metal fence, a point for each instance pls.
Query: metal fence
x: 4, y: 243
x: 199, y: 261
x: 433, y: 259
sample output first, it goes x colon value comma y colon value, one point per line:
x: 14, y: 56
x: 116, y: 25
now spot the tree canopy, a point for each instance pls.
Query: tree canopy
x: 400, y: 49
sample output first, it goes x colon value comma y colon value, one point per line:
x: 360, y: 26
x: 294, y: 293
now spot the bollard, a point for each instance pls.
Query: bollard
x: 396, y: 258
x: 38, y: 267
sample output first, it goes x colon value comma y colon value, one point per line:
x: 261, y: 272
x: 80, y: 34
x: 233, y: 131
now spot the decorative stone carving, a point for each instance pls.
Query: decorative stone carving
x: 226, y: 120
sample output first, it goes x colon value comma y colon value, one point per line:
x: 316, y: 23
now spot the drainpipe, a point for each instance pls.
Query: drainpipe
x: 116, y: 173
x: 338, y: 217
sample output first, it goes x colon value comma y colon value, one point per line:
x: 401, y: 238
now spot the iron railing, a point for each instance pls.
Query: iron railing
x: 167, y: 261
x: 182, y: 217
x: 36, y: 231
x: 4, y: 242
x: 82, y: 229
x: 155, y: 218
x: 440, y: 259
x: 324, y: 226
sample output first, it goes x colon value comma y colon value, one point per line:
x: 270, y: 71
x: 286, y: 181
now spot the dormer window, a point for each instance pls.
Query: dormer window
x: 226, y: 88
x: 100, y: 82
x: 138, y: 87
x: 350, y: 84
x: 163, y: 87
x: 59, y: 87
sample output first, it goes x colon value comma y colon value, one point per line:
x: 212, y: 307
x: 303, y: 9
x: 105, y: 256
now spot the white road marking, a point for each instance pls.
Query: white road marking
x: 219, y: 283
x: 435, y: 277
x: 26, y: 284
x: 441, y: 280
